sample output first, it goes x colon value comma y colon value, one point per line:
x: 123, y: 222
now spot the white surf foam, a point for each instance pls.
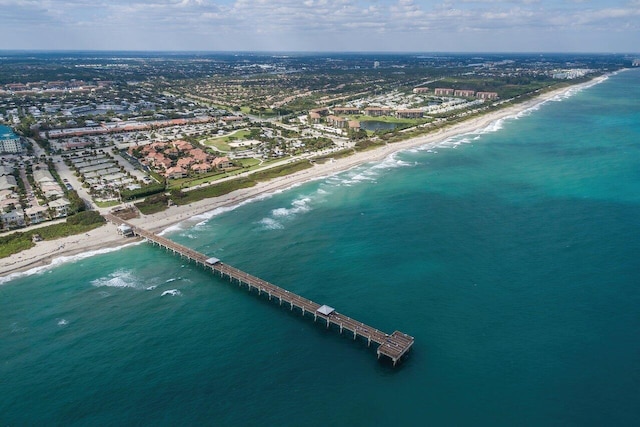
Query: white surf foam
x: 270, y: 224
x: 63, y: 322
x: 118, y: 279
x: 300, y: 205
x: 56, y: 262
x: 172, y: 229
x: 172, y: 292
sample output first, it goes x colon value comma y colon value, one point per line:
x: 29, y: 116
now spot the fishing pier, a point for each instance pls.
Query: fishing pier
x: 393, y: 346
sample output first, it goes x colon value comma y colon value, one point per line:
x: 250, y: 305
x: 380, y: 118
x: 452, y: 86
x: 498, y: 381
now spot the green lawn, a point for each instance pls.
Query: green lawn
x: 222, y: 142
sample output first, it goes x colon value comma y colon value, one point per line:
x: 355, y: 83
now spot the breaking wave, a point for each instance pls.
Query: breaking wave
x: 56, y: 262
x: 118, y: 279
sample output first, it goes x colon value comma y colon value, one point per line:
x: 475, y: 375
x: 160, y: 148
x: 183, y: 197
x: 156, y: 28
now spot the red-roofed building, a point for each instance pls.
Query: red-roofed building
x: 201, y: 168
x: 175, y: 173
x: 441, y: 91
x: 199, y: 155
x: 182, y: 145
x: 487, y: 95
x: 185, y: 162
x: 465, y: 93
x: 221, y: 163
x: 339, y: 122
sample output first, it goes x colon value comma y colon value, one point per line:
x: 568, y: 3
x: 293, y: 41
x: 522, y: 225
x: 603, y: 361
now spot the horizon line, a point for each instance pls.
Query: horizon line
x: 318, y: 52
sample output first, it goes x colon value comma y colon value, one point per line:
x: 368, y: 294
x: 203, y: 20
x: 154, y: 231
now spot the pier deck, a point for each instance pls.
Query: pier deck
x: 393, y: 346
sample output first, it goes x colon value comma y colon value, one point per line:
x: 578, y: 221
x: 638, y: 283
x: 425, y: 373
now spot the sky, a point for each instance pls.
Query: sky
x: 608, y: 26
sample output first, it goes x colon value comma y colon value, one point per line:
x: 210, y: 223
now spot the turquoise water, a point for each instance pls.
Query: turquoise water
x: 511, y: 255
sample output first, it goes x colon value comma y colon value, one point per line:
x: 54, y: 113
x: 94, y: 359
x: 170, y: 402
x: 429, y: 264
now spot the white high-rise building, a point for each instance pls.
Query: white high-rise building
x: 9, y: 141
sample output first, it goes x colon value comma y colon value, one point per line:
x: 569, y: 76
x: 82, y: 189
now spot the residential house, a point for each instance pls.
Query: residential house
x: 13, y: 219
x: 175, y: 172
x: 201, y: 168
x: 185, y: 162
x: 60, y: 208
x: 182, y: 145
x: 221, y: 163
x: 420, y: 89
x: 37, y: 214
x: 198, y: 155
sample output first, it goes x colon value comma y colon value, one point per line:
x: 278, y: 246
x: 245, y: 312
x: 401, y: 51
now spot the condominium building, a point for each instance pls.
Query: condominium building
x: 9, y: 141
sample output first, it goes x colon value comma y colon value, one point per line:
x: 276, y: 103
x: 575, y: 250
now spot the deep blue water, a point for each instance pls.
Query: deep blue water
x: 511, y: 255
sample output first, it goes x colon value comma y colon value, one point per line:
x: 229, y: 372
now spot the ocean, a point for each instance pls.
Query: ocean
x: 511, y: 255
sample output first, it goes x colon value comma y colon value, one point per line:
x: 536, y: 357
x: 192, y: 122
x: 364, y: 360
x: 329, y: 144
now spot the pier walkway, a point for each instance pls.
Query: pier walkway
x: 393, y: 346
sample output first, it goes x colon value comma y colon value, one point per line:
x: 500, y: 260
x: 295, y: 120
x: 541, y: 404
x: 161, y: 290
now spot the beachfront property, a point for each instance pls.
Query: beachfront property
x: 13, y: 219
x: 45, y: 181
x: 60, y: 207
x: 441, y: 91
x: 421, y: 90
x: 9, y: 141
x: 487, y: 95
x: 464, y: 93
x: 37, y: 214
x: 410, y: 114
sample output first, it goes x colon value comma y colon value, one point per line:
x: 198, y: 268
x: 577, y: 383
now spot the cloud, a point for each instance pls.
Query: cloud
x: 309, y: 24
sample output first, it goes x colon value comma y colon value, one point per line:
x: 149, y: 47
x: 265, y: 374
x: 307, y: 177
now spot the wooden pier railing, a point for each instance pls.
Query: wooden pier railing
x: 393, y: 346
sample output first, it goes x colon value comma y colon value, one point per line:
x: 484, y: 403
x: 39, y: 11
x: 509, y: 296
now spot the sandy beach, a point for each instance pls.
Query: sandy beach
x: 106, y: 237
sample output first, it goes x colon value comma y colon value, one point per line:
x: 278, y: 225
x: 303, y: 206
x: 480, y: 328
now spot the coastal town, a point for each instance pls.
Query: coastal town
x: 121, y: 138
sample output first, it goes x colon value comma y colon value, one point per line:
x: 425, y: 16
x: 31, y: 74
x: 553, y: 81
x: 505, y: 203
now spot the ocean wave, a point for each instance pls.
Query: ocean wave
x: 493, y: 127
x: 300, y: 205
x: 172, y: 292
x: 270, y: 224
x: 172, y: 229
x: 56, y: 262
x: 118, y: 279
x: 391, y: 162
x: 63, y: 322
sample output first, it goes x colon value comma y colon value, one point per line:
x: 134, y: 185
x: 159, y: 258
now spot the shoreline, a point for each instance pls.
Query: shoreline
x: 106, y: 238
